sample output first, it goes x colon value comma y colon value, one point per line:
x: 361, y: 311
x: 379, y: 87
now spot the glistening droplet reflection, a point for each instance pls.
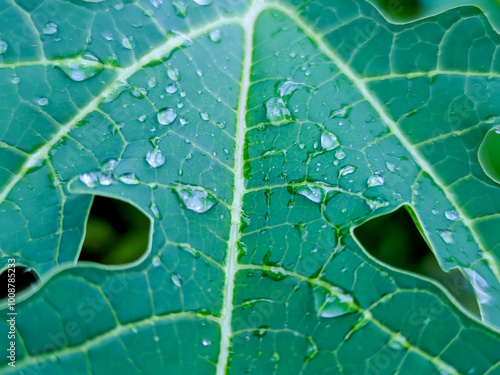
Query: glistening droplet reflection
x: 489, y: 154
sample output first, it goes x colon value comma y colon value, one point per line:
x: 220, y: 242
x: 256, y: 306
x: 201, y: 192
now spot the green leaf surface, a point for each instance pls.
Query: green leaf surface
x: 256, y: 137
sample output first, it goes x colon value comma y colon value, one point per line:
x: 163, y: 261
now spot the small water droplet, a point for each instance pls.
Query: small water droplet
x: 315, y: 192
x: 105, y: 178
x: 214, y: 35
x: 177, y: 279
x: 206, y: 342
x: 42, y: 101
x: 204, y: 116
x: 447, y: 236
x: 3, y: 46
x: 311, y: 351
x: 451, y: 215
x: 348, y: 169
x: 16, y: 80
x: 203, y: 2
x: 171, y: 88
x: 390, y: 166
x: 286, y: 88
x: 155, y: 158
x: 375, y: 180
x: 129, y: 179
x: 156, y: 338
x: 275, y: 357
x: 156, y: 261
x: 107, y: 35
x: 173, y: 74
x: 489, y: 154
x: 154, y: 209
x: 128, y: 42
x: 166, y: 116
x: 195, y: 198
x: 50, y: 28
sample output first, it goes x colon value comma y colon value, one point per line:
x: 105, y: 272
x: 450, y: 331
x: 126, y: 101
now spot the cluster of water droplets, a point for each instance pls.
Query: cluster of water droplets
x: 106, y: 176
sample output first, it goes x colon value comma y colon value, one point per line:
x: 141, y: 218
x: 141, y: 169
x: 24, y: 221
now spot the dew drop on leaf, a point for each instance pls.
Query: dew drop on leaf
x: 195, y: 198
x: 204, y: 116
x: 166, y: 116
x: 155, y: 158
x: 177, y: 279
x: 375, y: 180
x: 446, y: 236
x: 451, y: 215
x: 171, y: 89
x: 129, y: 179
x: 82, y: 69
x: 348, y: 169
x: 105, y: 178
x: 206, y: 342
x: 156, y: 261
x: 203, y: 2
x: 311, y: 351
x: 50, y: 28
x: 275, y: 357
x: 89, y: 179
x: 276, y: 111
x: 154, y: 209
x: 313, y: 192
x: 332, y: 305
x: 42, y: 101
x: 329, y: 140
x: 173, y: 74
x: 489, y: 154
x: 3, y: 47
x: 16, y: 80
x: 214, y: 35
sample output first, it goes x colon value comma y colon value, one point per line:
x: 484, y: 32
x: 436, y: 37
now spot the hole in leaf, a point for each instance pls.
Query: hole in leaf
x: 21, y: 277
x: 395, y: 240
x: 117, y: 232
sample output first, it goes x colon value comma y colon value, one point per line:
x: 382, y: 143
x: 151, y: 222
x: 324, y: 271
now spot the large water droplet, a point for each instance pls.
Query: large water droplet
x: 214, y: 35
x: 42, y: 101
x: 332, y: 305
x: 3, y: 46
x: 276, y: 111
x: 155, y: 158
x: 375, y: 180
x: 489, y: 154
x: 82, y: 69
x: 50, y: 28
x: 89, y: 179
x: 451, y: 215
x: 171, y: 88
x: 195, y: 198
x: 166, y: 116
x: 329, y: 140
x: 315, y: 192
x: 286, y: 88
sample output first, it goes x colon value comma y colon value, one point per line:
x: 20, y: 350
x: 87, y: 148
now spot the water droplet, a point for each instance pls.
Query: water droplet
x: 390, y: 166
x: 275, y: 357
x: 128, y: 42
x: 273, y: 269
x: 142, y: 118
x: 452, y: 215
x: 50, y: 28
x: 348, y: 169
x: 311, y: 351
x: 83, y: 68
x: 89, y: 179
x: 203, y: 2
x: 16, y: 80
x: 329, y: 141
x: 173, y: 74
x: 156, y: 338
x: 171, y: 89
x: 375, y: 180
x: 273, y: 152
x: 286, y: 88
x: 480, y: 286
x: 214, y: 35
x: 206, y: 342
x: 399, y: 342
x: 276, y: 111
x: 332, y: 305
x: 166, y: 116
x: 195, y: 198
x: 129, y: 179
x: 3, y: 46
x: 115, y: 92
x: 105, y: 178
x: 447, y: 236
x: 107, y: 35
x: 489, y: 154
x: 204, y: 116
x: 42, y: 101
x: 261, y: 332
x: 315, y: 192
x: 155, y: 158
x: 177, y: 279
x: 156, y: 261
x: 154, y: 209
